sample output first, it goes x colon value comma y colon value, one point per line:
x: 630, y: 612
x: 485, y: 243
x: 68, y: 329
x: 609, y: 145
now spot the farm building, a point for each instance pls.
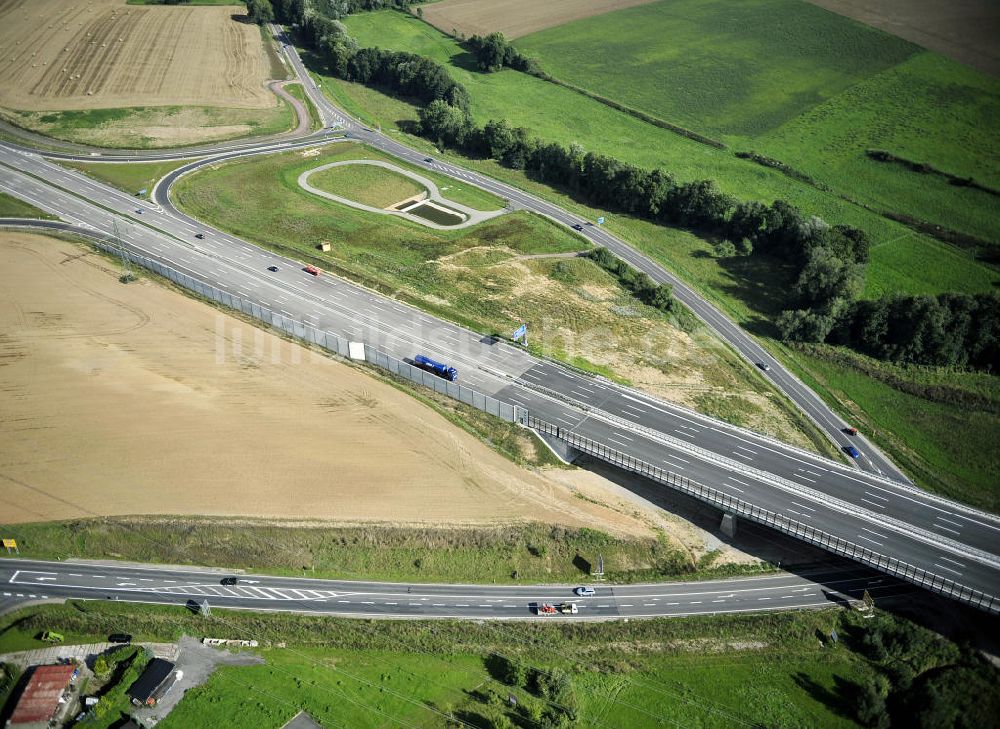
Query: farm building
x: 42, y: 698
x: 154, y: 682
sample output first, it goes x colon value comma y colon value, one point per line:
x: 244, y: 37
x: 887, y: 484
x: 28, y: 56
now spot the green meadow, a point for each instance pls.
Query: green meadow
x: 802, y: 85
x: 557, y: 113
x: 725, y: 671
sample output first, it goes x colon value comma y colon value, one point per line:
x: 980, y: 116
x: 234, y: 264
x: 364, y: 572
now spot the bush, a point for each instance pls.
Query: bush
x: 725, y: 249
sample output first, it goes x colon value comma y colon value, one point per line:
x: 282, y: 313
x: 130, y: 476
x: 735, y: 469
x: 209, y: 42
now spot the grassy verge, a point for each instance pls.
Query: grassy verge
x: 776, y: 669
x: 483, y: 277
x: 12, y: 207
x: 367, y: 184
x: 940, y: 425
x: 130, y: 177
x: 155, y: 127
x: 504, y: 554
x: 299, y: 93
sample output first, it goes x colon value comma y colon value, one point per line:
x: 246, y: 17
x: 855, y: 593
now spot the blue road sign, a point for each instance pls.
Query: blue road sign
x: 521, y: 331
x: 600, y: 220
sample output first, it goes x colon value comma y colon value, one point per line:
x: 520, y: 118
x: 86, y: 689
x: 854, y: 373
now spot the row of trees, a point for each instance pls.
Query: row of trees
x: 494, y: 52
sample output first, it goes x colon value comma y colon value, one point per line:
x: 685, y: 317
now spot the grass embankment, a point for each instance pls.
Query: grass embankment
x: 367, y: 184
x: 130, y: 177
x: 155, y: 127
x: 480, y: 277
x: 941, y: 426
x: 776, y: 669
x: 12, y: 207
x: 507, y: 554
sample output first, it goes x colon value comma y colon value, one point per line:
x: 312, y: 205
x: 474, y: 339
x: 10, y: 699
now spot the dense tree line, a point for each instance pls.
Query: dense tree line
x: 960, y: 330
x: 494, y: 52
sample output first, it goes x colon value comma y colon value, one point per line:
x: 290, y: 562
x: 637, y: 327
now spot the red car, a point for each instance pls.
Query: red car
x: 851, y: 431
x: 313, y: 270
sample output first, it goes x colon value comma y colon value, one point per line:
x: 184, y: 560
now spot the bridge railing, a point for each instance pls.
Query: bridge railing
x: 728, y: 503
x: 734, y: 505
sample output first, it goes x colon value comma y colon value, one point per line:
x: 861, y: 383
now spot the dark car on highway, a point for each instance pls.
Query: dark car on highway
x: 852, y: 451
x: 119, y: 638
x: 230, y: 581
x: 199, y: 236
x: 764, y: 366
x: 272, y: 269
x: 851, y: 431
x: 577, y: 227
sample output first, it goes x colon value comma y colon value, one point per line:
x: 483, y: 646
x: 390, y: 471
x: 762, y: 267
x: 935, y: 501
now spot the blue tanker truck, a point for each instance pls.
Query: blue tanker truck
x: 441, y: 370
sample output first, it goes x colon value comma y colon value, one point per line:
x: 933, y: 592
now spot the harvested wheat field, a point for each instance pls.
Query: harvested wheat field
x: 96, y: 54
x: 129, y: 399
x: 514, y: 18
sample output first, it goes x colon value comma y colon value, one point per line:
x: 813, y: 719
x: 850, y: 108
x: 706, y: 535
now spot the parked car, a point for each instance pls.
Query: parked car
x: 272, y: 269
x: 585, y: 591
x: 119, y: 638
x: 852, y: 451
x: 312, y: 270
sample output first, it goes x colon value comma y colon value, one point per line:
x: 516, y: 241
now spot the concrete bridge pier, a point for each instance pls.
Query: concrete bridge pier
x: 562, y: 450
x: 728, y: 525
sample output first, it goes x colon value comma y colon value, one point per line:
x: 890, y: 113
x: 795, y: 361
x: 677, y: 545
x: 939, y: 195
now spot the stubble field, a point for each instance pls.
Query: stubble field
x: 514, y: 18
x: 106, y: 73
x: 136, y: 400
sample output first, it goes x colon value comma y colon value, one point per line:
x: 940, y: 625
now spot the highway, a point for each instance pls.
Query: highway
x: 26, y: 580
x: 889, y: 517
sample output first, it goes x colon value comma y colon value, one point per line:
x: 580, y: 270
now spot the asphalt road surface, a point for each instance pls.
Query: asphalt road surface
x: 27, y: 580
x: 889, y: 517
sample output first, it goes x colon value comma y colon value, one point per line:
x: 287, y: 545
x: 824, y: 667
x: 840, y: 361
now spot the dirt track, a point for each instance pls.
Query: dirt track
x: 515, y: 18
x: 120, y: 399
x: 95, y: 54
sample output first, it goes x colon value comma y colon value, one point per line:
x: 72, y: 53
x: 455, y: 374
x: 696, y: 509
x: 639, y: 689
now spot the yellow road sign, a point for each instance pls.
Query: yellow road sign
x: 10, y: 543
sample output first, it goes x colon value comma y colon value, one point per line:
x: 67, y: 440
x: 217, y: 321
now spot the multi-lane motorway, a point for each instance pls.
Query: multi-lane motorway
x: 889, y: 517
x: 27, y: 580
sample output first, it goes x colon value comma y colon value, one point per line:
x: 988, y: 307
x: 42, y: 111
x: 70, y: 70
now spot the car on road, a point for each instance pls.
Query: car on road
x: 764, y: 366
x: 230, y: 581
x: 577, y: 226
x: 569, y: 608
x: 138, y: 211
x: 851, y: 431
x: 429, y: 160
x: 852, y: 451
x: 199, y: 236
x: 584, y: 591
x: 272, y: 269
x: 311, y: 270
x: 119, y: 638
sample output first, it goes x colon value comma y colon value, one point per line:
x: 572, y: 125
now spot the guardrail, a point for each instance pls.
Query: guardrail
x: 724, y: 501
x: 734, y: 505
